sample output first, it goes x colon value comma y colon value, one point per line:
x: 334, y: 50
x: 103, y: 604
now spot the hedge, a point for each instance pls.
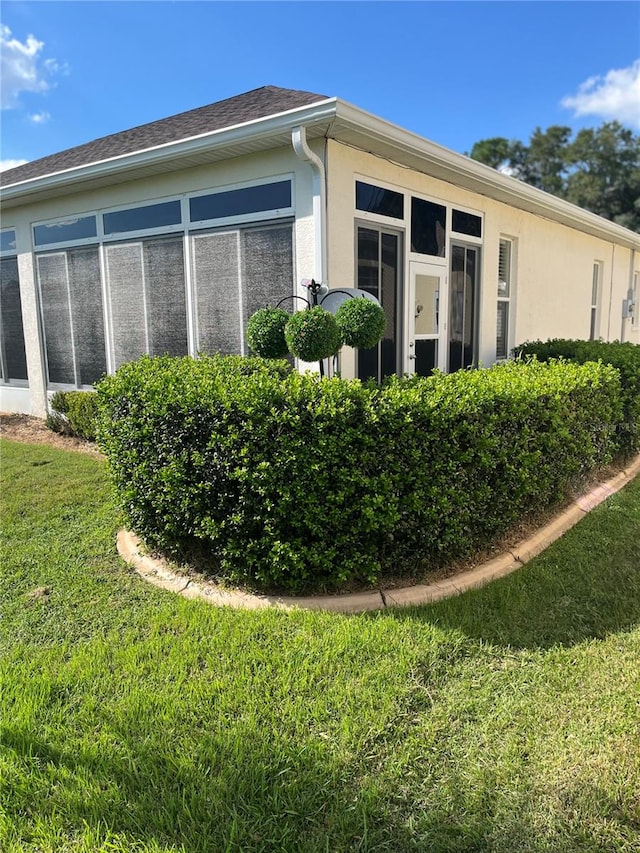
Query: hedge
x: 625, y: 357
x: 294, y: 482
x: 73, y: 413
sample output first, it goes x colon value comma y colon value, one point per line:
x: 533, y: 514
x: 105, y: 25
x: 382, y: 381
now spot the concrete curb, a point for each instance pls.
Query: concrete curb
x: 155, y: 571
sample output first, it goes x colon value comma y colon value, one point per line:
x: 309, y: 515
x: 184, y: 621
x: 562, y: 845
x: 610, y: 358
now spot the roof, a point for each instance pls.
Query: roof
x: 264, y: 119
x: 258, y: 103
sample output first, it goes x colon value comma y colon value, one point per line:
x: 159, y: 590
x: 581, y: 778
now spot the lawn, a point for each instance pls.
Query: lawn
x: 507, y: 719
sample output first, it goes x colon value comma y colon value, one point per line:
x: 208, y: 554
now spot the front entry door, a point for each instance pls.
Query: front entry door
x: 426, y: 320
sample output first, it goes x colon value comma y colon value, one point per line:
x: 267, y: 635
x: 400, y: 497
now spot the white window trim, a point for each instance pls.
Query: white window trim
x: 511, y: 298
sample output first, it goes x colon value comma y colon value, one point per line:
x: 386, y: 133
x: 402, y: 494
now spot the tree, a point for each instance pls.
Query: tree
x: 598, y: 170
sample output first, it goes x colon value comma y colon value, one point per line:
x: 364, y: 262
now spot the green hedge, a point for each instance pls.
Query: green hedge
x: 625, y: 357
x: 73, y: 413
x: 294, y: 482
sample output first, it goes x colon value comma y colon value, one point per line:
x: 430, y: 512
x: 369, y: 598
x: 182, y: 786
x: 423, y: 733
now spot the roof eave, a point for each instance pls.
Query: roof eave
x: 458, y: 169
x: 320, y: 113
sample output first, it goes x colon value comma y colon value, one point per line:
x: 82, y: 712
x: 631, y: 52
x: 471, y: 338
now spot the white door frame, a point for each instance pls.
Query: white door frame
x: 436, y: 315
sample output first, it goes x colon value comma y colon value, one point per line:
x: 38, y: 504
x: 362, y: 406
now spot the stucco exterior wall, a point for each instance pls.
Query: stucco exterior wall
x: 553, y: 263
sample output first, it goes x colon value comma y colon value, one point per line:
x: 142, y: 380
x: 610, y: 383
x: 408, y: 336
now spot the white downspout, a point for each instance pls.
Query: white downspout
x: 301, y: 147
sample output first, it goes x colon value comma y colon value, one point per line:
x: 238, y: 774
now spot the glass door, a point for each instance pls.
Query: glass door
x: 379, y: 253
x: 463, y: 302
x: 426, y: 312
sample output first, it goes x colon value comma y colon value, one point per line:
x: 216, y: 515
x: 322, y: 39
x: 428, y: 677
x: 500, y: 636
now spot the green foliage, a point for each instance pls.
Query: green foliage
x: 362, y: 322
x: 297, y: 482
x: 624, y: 357
x: 313, y: 335
x: 598, y: 170
x: 265, y: 332
x: 73, y: 413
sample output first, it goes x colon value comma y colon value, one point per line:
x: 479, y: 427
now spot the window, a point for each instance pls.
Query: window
x: 463, y: 302
x: 13, y: 360
x: 596, y: 288
x: 264, y: 198
x: 66, y: 231
x: 505, y: 259
x: 234, y: 273
x: 466, y: 223
x: 8, y: 241
x: 72, y: 316
x: 147, y: 298
x: 383, y: 202
x: 143, y: 218
x: 378, y: 272
x: 428, y: 227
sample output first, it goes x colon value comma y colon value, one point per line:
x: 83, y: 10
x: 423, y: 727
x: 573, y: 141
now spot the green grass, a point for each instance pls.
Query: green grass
x: 507, y: 719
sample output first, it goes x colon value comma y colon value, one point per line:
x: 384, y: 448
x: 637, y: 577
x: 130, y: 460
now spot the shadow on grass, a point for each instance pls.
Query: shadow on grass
x: 230, y: 794
x: 585, y: 586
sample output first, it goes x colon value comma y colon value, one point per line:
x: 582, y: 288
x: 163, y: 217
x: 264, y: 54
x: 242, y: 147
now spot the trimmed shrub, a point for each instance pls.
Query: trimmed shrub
x: 625, y: 357
x: 265, y: 332
x: 362, y: 322
x: 313, y: 335
x: 295, y: 482
x: 73, y: 413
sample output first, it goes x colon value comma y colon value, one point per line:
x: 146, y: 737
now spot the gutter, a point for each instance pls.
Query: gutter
x: 301, y: 147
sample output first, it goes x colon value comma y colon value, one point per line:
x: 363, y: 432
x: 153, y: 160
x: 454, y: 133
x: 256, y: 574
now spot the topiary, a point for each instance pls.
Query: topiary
x: 362, y: 322
x: 313, y: 335
x: 265, y: 332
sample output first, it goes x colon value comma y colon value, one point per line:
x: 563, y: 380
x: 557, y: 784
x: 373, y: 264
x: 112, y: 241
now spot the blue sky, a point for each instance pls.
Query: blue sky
x: 455, y: 72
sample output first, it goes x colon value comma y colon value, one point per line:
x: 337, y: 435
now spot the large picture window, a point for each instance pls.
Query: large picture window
x: 72, y: 316
x: 235, y: 273
x: 13, y: 360
x: 147, y: 300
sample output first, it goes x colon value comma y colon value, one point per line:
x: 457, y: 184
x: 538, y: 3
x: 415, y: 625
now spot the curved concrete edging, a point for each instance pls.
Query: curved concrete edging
x: 155, y: 571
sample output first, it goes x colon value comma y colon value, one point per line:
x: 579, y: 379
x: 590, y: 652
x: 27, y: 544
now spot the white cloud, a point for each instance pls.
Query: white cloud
x: 614, y: 96
x: 22, y: 68
x: 11, y: 164
x: 40, y: 118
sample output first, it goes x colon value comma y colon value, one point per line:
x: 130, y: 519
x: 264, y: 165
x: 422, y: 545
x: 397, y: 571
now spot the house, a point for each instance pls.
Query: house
x: 167, y: 237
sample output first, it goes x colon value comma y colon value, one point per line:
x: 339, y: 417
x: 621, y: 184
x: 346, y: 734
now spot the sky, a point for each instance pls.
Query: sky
x: 454, y: 72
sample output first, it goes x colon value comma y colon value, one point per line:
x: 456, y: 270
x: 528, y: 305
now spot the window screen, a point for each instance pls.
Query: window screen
x: 72, y: 316
x: 216, y: 278
x: 267, y: 267
x: 126, y: 298
x: 147, y: 296
x: 466, y: 223
x: 13, y: 358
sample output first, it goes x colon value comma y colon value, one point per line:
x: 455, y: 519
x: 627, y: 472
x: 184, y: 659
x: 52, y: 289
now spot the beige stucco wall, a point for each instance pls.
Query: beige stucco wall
x: 553, y: 266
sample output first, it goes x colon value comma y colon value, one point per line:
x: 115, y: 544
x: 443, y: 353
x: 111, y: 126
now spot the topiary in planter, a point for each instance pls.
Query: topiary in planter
x: 361, y: 321
x: 313, y: 335
x: 265, y: 332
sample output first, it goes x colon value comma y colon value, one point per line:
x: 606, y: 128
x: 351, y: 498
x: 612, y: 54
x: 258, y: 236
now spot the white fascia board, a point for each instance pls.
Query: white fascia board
x: 478, y: 177
x: 262, y: 128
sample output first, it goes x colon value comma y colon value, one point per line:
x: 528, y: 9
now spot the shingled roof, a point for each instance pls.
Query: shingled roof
x: 258, y: 103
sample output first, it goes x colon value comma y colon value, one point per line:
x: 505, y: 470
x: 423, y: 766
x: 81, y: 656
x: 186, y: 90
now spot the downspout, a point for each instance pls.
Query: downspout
x: 301, y: 147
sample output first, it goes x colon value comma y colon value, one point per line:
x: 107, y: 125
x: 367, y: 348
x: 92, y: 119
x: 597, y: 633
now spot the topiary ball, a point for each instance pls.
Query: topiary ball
x: 265, y: 332
x: 361, y: 321
x: 313, y: 335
